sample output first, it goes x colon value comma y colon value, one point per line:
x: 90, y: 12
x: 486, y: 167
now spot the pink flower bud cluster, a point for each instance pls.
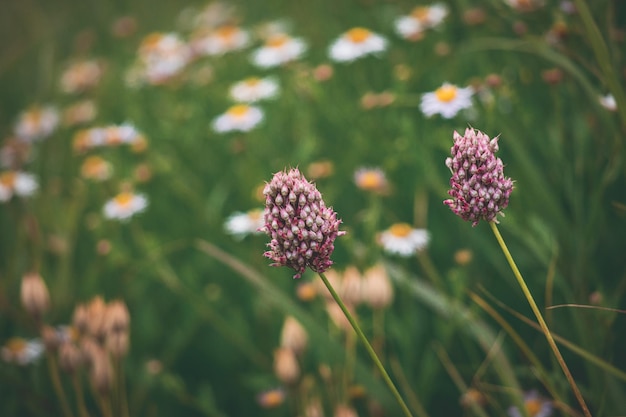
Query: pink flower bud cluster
x: 302, y: 229
x: 479, y: 188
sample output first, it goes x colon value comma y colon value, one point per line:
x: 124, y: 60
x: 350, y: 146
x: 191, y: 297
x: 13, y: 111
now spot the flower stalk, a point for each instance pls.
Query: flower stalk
x: 368, y: 346
x: 540, y: 320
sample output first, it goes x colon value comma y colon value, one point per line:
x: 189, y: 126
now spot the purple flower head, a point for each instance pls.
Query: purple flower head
x: 479, y: 188
x: 302, y: 229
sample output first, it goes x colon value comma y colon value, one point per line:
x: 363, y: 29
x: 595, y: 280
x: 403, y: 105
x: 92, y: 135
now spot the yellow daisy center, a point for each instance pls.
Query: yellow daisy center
x: 358, y: 35
x: 16, y: 345
x: 420, y: 13
x: 8, y: 178
x: 34, y: 116
x: 124, y: 199
x: 272, y: 399
x: 400, y: 229
x: 253, y: 81
x: 226, y: 31
x: 93, y: 166
x: 533, y: 406
x: 276, y: 41
x: 152, y: 40
x: 255, y: 214
x: 239, y: 110
x: 447, y: 93
x: 370, y: 180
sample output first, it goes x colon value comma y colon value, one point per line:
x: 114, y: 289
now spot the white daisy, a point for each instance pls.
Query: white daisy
x: 371, y: 179
x: 356, y: 43
x: 608, y: 102
x: 403, y: 240
x: 254, y: 89
x: 241, y: 117
x: 17, y: 183
x: 227, y: 38
x: 447, y: 100
x: 535, y: 405
x: 96, y: 168
x: 37, y: 123
x: 21, y: 351
x: 162, y: 56
x: 421, y: 18
x: 125, y: 205
x: 278, y: 49
x: 81, y: 76
x: 241, y: 224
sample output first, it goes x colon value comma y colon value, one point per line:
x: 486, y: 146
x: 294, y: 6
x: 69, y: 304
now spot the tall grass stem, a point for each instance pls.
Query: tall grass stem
x: 367, y: 345
x: 540, y: 320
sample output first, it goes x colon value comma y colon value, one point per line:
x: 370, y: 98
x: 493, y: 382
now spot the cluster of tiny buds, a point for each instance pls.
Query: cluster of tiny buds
x: 301, y: 228
x: 479, y: 188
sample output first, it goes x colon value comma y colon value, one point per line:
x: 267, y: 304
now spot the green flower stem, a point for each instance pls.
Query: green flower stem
x: 540, y: 320
x: 56, y: 383
x: 367, y: 345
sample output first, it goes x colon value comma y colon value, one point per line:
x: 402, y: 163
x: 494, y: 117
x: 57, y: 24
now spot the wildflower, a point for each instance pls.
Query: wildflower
x: 377, y: 290
x: 306, y: 291
x: 81, y: 112
x: 21, y: 351
x: 525, y: 5
x: 608, y: 102
x: 240, y: 117
x: 271, y: 398
x: 293, y: 336
x: 112, y: 135
x: 14, y: 153
x: 403, y: 240
x: 96, y: 168
x: 286, y: 366
x: 81, y: 76
x: 479, y: 188
x: 302, y: 229
x: 226, y: 38
x: 356, y: 43
x: 278, y: 49
x: 323, y: 72
x: 350, y: 288
x: 16, y: 183
x: 535, y: 405
x: 254, y: 89
x: 34, y: 295
x: 412, y: 26
x: 320, y: 169
x: 37, y: 123
x: 241, y: 224
x: 447, y: 100
x: 70, y: 357
x: 162, y: 56
x: 371, y: 179
x: 125, y: 205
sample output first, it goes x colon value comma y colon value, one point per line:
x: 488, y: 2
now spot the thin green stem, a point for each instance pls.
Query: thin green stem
x: 540, y: 320
x: 80, y: 397
x: 56, y: 382
x: 367, y: 345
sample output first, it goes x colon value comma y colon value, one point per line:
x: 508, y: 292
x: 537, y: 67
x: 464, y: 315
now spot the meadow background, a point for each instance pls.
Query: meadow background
x: 206, y: 310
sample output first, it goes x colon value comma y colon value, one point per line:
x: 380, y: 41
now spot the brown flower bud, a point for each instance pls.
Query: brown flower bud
x: 70, y: 357
x: 101, y: 371
x: 377, y: 290
x: 116, y: 319
x: 117, y: 343
x: 293, y: 336
x: 34, y: 295
x: 286, y: 366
